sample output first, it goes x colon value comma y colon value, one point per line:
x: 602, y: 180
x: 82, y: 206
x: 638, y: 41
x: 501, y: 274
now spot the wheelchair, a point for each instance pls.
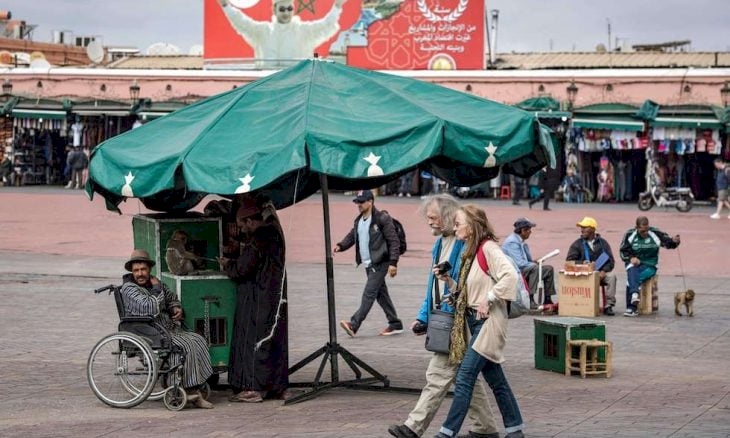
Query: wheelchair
x: 133, y: 365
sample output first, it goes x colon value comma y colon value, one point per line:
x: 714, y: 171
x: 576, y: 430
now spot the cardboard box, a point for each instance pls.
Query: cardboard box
x: 579, y: 295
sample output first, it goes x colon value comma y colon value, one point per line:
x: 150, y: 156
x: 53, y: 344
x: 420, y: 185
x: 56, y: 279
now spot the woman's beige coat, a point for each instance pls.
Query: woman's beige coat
x: 498, y: 287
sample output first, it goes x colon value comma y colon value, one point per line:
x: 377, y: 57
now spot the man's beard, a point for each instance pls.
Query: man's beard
x: 142, y: 281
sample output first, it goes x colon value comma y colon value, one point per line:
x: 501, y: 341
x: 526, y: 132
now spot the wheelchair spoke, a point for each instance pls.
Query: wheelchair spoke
x: 121, y: 370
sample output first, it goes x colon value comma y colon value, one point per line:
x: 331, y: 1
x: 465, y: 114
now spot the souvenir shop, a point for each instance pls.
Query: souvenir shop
x: 97, y: 120
x: 686, y: 140
x: 37, y: 141
x: 606, y: 148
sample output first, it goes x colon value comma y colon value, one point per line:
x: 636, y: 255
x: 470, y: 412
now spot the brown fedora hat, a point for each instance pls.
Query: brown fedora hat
x: 139, y: 255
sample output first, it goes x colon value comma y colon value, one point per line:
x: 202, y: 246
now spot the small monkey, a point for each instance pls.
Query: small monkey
x: 687, y: 299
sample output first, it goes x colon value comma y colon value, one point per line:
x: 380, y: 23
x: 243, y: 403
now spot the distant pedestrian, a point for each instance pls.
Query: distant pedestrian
x: 722, y: 180
x: 519, y: 187
x: 77, y: 162
x: 548, y: 184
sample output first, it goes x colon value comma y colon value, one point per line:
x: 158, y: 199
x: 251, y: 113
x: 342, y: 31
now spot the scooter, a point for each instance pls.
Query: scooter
x: 540, y: 293
x: 679, y: 197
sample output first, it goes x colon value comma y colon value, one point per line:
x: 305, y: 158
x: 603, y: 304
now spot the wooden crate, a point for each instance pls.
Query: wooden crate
x: 649, y: 296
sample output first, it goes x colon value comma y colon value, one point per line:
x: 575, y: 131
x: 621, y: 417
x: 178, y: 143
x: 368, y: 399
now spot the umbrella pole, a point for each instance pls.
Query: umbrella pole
x: 332, y: 349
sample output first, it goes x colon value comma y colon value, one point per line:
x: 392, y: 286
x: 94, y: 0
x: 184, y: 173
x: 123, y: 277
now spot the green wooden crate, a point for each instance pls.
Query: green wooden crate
x: 152, y: 232
x: 216, y: 292
x: 552, y: 334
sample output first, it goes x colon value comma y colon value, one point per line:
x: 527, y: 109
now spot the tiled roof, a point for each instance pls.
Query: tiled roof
x: 578, y: 60
x: 505, y: 61
x: 178, y: 62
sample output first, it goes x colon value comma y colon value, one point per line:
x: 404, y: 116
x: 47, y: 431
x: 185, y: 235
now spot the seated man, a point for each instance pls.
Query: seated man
x: 144, y: 295
x: 572, y: 189
x: 640, y: 251
x: 516, y: 248
x: 591, y: 247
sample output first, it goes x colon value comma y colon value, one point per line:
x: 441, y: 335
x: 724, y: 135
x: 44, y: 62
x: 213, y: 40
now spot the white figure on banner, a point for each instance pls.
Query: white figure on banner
x: 286, y: 37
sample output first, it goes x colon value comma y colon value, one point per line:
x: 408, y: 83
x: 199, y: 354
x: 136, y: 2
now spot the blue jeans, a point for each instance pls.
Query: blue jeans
x: 634, y: 280
x: 471, y: 366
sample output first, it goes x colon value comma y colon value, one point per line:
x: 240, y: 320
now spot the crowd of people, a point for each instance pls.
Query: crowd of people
x: 476, y: 294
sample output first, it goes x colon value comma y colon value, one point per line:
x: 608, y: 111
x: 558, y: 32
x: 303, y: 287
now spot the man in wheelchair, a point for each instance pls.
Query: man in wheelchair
x: 144, y: 295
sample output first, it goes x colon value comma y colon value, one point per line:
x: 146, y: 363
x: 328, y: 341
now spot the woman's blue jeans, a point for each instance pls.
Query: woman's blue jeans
x: 469, y: 370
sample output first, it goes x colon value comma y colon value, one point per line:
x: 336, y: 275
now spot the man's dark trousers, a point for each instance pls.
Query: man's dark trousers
x: 376, y: 289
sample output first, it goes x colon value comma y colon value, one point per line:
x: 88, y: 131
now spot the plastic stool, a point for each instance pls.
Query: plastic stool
x: 505, y: 193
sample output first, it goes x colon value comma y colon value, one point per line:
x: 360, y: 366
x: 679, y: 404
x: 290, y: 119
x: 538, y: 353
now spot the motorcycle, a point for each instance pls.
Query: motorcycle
x: 679, y: 197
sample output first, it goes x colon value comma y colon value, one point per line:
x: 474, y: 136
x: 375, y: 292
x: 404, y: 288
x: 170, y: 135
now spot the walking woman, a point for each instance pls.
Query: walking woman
x: 481, y: 295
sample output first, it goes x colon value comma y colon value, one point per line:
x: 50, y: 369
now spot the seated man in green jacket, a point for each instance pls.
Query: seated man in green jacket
x: 640, y: 251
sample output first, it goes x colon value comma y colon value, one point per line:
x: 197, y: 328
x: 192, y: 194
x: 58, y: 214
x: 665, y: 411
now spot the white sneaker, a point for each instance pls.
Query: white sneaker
x: 631, y: 313
x: 634, y: 298
x: 69, y: 185
x: 715, y: 216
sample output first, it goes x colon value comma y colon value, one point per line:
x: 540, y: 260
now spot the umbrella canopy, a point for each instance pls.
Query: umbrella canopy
x: 276, y: 136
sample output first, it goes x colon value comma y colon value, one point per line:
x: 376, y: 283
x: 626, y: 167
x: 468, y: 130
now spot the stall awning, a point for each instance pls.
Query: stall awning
x: 20, y: 113
x: 688, y: 122
x: 617, y: 116
x: 614, y: 122
x: 152, y: 110
x: 552, y: 114
x: 102, y: 113
x: 102, y: 108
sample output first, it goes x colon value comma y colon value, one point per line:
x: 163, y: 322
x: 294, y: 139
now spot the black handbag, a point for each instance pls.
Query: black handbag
x: 438, y: 332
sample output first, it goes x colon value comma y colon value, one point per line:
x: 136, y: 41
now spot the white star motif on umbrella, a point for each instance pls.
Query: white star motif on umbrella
x: 374, y: 169
x: 127, y: 187
x: 245, y: 184
x: 491, y: 159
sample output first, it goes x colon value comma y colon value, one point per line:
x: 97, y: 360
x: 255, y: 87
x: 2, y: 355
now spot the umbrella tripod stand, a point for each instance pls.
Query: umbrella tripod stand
x: 331, y: 350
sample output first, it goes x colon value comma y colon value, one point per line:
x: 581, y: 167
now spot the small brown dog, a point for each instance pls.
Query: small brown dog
x: 686, y: 298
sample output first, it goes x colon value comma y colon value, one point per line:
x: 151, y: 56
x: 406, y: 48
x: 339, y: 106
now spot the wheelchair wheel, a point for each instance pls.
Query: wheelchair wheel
x: 121, y: 370
x: 175, y: 398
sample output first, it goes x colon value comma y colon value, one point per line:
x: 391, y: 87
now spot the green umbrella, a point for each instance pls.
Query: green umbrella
x: 278, y: 134
x: 317, y: 125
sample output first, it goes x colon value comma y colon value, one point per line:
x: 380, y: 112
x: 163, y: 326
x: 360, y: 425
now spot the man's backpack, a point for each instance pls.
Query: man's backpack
x: 521, y: 304
x: 399, y: 230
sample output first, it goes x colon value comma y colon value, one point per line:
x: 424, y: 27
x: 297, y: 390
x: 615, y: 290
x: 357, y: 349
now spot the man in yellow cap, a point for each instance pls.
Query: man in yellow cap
x: 591, y: 247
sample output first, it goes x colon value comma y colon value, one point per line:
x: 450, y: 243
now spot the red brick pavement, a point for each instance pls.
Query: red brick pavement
x: 55, y: 221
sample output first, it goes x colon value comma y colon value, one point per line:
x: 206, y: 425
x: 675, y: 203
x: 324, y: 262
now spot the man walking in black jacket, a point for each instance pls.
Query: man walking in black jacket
x: 378, y: 248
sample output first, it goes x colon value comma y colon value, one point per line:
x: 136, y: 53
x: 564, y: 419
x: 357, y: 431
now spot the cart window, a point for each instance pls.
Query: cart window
x: 217, y: 330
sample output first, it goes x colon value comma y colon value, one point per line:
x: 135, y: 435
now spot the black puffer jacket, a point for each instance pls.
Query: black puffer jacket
x: 384, y: 243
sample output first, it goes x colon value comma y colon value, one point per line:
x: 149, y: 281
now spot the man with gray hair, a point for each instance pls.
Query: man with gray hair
x: 439, y: 212
x: 286, y: 38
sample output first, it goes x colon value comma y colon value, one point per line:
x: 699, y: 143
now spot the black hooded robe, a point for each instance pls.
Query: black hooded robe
x: 259, y: 273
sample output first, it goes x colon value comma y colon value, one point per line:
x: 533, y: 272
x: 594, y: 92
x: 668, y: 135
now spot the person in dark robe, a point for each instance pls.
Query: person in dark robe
x: 259, y: 359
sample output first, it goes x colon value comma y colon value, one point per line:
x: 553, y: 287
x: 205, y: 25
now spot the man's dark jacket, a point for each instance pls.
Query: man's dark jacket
x: 384, y: 243
x: 575, y: 252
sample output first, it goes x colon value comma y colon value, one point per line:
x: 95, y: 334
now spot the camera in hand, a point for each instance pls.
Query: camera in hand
x: 420, y: 328
x: 443, y: 267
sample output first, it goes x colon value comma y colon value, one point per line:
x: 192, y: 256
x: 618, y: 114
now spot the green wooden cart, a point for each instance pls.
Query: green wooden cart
x: 208, y: 297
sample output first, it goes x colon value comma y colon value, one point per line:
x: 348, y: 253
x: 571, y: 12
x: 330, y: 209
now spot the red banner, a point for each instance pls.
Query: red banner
x: 372, y: 34
x: 224, y: 43
x: 425, y: 34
